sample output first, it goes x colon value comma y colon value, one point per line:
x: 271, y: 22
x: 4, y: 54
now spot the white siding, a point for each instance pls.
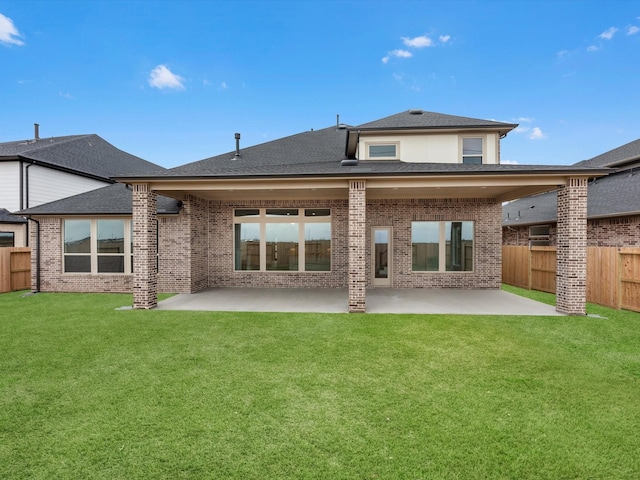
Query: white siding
x: 432, y: 148
x: 10, y: 185
x: 47, y: 185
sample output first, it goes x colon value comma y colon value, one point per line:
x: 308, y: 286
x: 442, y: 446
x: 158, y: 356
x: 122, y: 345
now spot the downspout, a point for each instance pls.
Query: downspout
x: 37, y: 290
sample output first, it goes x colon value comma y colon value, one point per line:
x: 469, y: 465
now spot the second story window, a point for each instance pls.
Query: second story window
x: 472, y: 150
x: 382, y: 151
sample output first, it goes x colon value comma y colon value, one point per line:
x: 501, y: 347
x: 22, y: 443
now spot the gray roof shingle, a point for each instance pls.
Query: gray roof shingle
x: 115, y: 199
x: 84, y: 154
x: 423, y: 119
x: 628, y: 152
x: 8, y: 217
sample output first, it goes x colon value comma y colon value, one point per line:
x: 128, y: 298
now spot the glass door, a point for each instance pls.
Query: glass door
x: 381, y: 252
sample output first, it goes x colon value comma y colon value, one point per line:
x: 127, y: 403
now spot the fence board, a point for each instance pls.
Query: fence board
x: 630, y: 279
x: 602, y: 276
x: 15, y: 268
x: 515, y: 266
x: 543, y: 269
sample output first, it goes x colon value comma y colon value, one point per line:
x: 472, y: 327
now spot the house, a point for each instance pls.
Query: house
x: 41, y: 170
x: 613, y: 207
x: 412, y: 200
x: 13, y: 229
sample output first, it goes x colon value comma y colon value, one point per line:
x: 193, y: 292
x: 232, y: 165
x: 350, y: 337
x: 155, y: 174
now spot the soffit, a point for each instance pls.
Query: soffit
x: 499, y: 187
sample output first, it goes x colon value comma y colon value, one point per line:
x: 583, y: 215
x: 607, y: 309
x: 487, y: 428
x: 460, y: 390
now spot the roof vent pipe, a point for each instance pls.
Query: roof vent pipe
x: 36, y: 131
x: 237, y: 155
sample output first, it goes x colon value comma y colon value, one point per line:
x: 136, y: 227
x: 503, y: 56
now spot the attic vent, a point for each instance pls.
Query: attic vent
x: 415, y: 111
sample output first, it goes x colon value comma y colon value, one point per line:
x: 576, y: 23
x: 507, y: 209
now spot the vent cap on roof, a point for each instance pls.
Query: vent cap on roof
x: 415, y: 111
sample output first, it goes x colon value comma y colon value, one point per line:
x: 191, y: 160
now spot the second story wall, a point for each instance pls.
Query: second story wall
x: 10, y: 185
x: 47, y: 185
x: 428, y: 148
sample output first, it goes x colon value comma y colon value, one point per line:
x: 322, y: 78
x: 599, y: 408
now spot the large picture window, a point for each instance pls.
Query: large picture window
x: 97, y: 246
x: 282, y: 239
x: 442, y: 246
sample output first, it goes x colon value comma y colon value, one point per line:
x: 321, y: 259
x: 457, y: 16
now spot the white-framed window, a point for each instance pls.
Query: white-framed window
x: 383, y: 150
x: 7, y: 239
x: 442, y: 246
x: 97, y: 246
x: 472, y: 150
x: 539, y: 236
x: 282, y: 239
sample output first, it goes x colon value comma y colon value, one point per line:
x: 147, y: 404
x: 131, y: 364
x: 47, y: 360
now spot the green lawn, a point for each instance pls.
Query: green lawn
x: 90, y: 392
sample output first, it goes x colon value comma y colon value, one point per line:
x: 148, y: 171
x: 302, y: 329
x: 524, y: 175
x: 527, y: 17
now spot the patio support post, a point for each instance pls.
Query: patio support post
x: 357, y: 246
x: 145, y: 247
x: 571, y: 281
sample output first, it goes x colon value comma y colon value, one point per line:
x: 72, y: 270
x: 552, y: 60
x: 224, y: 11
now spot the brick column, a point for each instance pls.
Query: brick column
x: 357, y: 245
x: 145, y: 247
x: 571, y: 276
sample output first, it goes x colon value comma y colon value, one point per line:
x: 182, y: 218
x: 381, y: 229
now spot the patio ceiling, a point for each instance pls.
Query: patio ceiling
x: 500, y: 187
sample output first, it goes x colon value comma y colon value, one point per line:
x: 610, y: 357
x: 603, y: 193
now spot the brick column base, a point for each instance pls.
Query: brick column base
x: 145, y: 247
x: 571, y: 280
x: 357, y: 246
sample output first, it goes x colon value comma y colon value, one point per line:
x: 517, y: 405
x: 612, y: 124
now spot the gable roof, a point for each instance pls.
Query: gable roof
x: 87, y: 155
x: 115, y: 199
x: 617, y: 194
x: 627, y: 153
x: 8, y: 217
x: 421, y: 119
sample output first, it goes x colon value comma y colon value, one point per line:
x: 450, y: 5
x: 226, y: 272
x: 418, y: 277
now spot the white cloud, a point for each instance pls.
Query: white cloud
x: 632, y: 30
x: 524, y: 119
x: 223, y: 85
x: 537, y: 134
x: 444, y: 38
x: 418, y: 42
x: 66, y: 95
x: 8, y: 32
x: 398, y: 54
x: 593, y: 48
x: 509, y: 162
x: 161, y: 77
x: 608, y: 34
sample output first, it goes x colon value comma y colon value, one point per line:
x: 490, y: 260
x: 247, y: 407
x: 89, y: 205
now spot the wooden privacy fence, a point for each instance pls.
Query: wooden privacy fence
x: 15, y: 269
x: 613, y: 274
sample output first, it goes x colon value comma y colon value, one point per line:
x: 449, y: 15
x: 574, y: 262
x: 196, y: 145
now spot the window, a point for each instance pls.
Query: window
x: 282, y: 239
x: 382, y: 151
x: 97, y: 246
x: 472, y: 150
x: 539, y: 236
x: 442, y: 246
x: 7, y: 239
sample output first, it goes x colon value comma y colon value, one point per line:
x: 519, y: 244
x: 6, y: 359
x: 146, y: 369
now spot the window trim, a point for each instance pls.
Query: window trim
x: 483, y: 138
x: 442, y: 247
x: 93, y: 247
x: 301, y: 219
x: 368, y: 145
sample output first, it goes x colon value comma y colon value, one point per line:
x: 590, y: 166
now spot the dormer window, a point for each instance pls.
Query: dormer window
x: 472, y: 150
x: 382, y: 151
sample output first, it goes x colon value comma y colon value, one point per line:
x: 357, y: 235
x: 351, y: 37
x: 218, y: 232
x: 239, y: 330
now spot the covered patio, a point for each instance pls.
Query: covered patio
x: 379, y: 300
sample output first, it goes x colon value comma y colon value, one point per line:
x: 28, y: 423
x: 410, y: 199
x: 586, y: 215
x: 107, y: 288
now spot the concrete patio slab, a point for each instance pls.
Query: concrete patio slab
x: 379, y: 300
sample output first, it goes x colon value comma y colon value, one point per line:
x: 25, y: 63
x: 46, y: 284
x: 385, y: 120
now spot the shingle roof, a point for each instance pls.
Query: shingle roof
x: 8, y: 217
x: 84, y: 154
x: 625, y: 153
x: 614, y: 195
x: 115, y: 199
x: 423, y: 119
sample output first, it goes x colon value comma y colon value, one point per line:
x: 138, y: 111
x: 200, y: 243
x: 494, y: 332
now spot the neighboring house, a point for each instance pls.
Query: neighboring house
x: 413, y: 200
x: 613, y: 211
x: 13, y: 229
x: 41, y: 170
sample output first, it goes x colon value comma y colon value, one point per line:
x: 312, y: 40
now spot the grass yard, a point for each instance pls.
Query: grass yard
x: 90, y: 392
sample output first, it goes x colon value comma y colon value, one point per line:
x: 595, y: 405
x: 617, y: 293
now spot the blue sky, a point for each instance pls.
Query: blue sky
x: 172, y: 81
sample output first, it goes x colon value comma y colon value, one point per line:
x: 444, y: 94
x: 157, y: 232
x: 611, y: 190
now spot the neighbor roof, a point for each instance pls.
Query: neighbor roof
x: 87, y: 155
x: 614, y: 195
x: 618, y: 156
x: 115, y: 199
x: 8, y: 217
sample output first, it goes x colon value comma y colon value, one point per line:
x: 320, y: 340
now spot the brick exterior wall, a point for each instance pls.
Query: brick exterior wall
x: 221, y: 260
x: 198, y: 214
x: 601, y: 232
x: 358, y: 234
x: 571, y: 283
x: 487, y: 243
x: 145, y: 247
